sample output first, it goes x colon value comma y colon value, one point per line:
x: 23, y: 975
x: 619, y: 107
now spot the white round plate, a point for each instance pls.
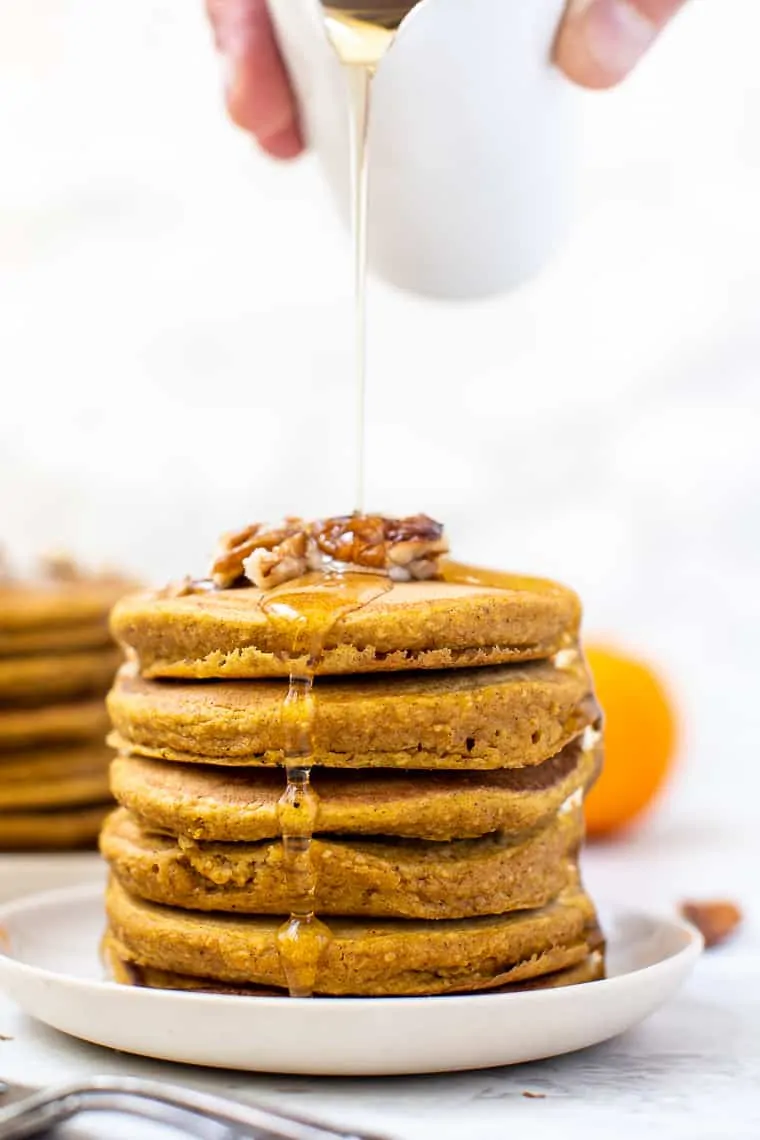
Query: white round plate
x: 22, y: 875
x: 50, y: 967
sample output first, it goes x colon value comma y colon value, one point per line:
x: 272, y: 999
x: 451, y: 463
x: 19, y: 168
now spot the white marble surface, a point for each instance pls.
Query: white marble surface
x: 692, y: 1071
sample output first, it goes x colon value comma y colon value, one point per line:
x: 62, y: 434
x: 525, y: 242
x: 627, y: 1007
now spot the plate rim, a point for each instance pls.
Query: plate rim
x: 84, y: 893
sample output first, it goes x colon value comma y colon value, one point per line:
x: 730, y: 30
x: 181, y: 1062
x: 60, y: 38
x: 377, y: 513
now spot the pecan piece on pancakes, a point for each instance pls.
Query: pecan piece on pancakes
x: 266, y: 556
x: 284, y: 562
x: 179, y: 589
x: 406, y: 549
x: 237, y: 546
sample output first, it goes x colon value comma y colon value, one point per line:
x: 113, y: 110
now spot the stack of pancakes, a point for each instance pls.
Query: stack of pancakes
x: 453, y: 736
x: 57, y: 661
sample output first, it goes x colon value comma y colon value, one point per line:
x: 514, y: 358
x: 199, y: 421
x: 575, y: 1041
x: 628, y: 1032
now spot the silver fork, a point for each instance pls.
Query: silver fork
x: 199, y: 1114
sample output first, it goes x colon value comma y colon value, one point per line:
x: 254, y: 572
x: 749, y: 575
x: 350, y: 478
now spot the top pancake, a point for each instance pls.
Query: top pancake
x: 414, y: 625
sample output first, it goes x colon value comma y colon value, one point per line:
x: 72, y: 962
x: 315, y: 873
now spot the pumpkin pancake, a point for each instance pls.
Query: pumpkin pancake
x: 36, y: 680
x: 64, y: 639
x: 232, y: 805
x: 76, y: 826
x: 51, y: 778
x: 372, y: 877
x: 127, y: 973
x: 52, y: 724
x: 44, y: 606
x: 502, y: 717
x: 382, y: 957
x: 411, y: 625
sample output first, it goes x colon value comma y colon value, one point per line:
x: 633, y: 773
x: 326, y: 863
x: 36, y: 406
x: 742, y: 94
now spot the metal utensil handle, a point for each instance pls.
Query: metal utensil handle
x: 152, y: 1099
x: 37, y: 1115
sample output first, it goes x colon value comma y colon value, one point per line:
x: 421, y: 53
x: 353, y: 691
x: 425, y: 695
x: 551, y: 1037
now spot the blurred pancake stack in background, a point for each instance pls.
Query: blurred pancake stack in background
x: 57, y: 661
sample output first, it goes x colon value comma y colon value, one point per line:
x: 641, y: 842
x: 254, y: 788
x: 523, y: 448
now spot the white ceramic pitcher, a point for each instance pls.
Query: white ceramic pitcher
x: 471, y: 140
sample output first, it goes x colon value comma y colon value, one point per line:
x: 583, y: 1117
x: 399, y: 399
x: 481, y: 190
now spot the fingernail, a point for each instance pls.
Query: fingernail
x: 615, y: 32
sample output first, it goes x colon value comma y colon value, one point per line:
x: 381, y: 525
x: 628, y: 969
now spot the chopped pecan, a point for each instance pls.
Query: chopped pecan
x: 232, y: 551
x: 716, y: 920
x: 180, y: 589
x: 419, y: 528
x: 287, y: 560
x: 236, y: 547
x: 354, y: 539
x: 416, y: 558
x: 414, y: 550
x: 404, y: 549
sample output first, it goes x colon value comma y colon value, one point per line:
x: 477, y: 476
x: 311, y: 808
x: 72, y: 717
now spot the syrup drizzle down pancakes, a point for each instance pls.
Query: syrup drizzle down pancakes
x: 350, y: 775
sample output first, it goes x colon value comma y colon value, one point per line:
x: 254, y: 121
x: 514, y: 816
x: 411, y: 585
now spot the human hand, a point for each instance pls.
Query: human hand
x: 599, y: 43
x: 257, y: 89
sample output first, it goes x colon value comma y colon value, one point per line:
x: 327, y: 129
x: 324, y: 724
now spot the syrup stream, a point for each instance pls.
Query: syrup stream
x: 308, y: 609
x: 360, y: 92
x: 313, y: 607
x: 361, y: 35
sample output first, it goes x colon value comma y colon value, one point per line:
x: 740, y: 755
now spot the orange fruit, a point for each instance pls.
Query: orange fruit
x: 640, y: 732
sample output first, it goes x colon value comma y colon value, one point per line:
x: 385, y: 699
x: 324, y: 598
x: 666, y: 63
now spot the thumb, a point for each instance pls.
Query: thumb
x: 601, y: 41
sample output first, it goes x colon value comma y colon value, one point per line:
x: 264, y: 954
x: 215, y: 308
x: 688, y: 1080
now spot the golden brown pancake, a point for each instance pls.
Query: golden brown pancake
x: 52, y: 778
x: 234, y: 805
x: 85, y: 720
x: 42, y: 606
x: 501, y: 717
x: 64, y: 639
x: 416, y: 625
x: 38, y: 830
x: 372, y: 877
x: 382, y: 957
x: 127, y: 973
x: 37, y: 680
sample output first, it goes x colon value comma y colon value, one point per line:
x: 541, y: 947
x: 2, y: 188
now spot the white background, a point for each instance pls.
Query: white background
x: 175, y: 352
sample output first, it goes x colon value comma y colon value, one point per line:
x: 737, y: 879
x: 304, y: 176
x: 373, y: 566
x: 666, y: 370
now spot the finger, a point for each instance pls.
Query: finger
x: 258, y: 92
x: 601, y: 41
